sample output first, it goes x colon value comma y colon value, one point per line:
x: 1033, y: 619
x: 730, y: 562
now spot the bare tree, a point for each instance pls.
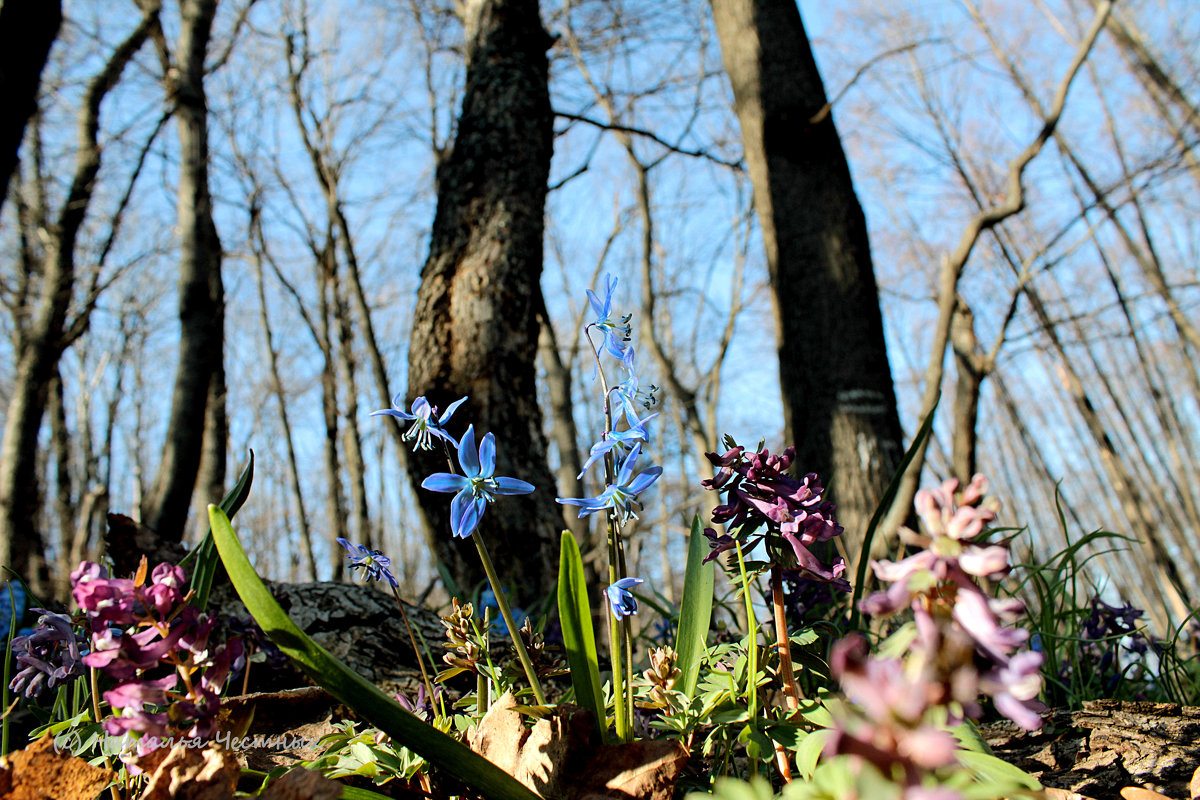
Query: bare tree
x: 41, y: 302
x: 839, y: 404
x: 27, y: 29
x: 475, y: 330
x: 197, y: 429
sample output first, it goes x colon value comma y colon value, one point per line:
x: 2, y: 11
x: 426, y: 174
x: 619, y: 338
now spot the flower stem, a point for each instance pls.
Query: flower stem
x: 751, y: 647
x: 413, y: 640
x: 112, y: 790
x: 513, y: 630
x: 783, y: 643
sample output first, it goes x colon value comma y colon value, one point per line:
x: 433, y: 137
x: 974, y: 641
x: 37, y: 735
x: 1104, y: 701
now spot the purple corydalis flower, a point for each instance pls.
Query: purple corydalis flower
x: 615, y: 333
x: 759, y: 493
x: 426, y: 424
x: 620, y: 599
x: 1014, y: 687
x: 48, y: 656
x: 620, y: 496
x: 477, y: 486
x: 374, y: 564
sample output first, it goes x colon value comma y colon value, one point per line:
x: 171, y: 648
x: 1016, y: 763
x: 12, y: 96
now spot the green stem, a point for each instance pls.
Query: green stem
x: 626, y: 643
x: 616, y: 641
x: 751, y: 647
x: 95, y: 683
x: 412, y: 638
x: 513, y: 630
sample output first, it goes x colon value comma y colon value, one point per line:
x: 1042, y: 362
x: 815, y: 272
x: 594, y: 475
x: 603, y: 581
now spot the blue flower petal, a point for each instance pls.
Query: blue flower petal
x: 458, y: 507
x: 468, y: 456
x: 642, y: 482
x: 471, y: 515
x: 626, y: 472
x: 392, y: 412
x: 508, y: 486
x: 487, y: 456
x: 450, y: 410
x: 445, y: 482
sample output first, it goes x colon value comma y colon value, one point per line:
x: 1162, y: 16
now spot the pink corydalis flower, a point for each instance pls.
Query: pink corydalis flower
x: 891, y: 729
x: 939, y: 585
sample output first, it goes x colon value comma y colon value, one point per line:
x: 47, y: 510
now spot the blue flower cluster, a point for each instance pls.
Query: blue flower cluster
x: 620, y: 496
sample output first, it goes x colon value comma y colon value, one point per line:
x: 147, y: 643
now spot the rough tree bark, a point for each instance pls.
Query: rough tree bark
x: 201, y: 301
x: 27, y: 29
x: 475, y: 329
x: 839, y: 404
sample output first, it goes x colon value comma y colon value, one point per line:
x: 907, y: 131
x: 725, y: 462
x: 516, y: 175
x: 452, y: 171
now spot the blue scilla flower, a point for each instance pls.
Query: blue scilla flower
x: 426, y: 424
x: 620, y: 599
x: 616, y: 333
x: 374, y: 564
x: 621, y: 495
x: 477, y: 486
x: 621, y: 441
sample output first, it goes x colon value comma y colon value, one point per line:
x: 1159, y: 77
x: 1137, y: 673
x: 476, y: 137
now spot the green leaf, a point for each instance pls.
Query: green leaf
x: 969, y: 737
x: 695, y: 611
x: 734, y: 789
x: 350, y: 688
x: 205, y: 553
x: 889, y: 495
x: 578, y: 637
x: 996, y: 773
x: 354, y: 793
x: 808, y: 752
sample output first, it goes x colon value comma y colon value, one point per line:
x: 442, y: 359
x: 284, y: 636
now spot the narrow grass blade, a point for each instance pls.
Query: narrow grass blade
x: 579, y: 639
x: 352, y: 689
x: 207, y: 560
x: 695, y: 611
x: 881, y: 510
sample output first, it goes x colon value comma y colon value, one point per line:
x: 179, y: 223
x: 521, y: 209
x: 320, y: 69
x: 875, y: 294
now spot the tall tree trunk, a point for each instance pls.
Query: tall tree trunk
x: 839, y: 404
x: 356, y: 467
x: 200, y: 304
x: 972, y: 369
x: 259, y: 248
x: 41, y: 339
x: 475, y: 330
x: 27, y: 29
x: 335, y: 503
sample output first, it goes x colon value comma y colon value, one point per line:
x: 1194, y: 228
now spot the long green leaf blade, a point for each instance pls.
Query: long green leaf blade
x: 695, y: 611
x: 205, y: 553
x: 889, y: 495
x: 579, y: 638
x: 350, y: 688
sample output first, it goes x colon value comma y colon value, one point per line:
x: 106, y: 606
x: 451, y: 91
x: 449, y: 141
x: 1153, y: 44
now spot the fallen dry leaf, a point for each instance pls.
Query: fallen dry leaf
x: 40, y: 773
x: 1063, y: 794
x: 558, y: 759
x: 1138, y: 793
x: 303, y: 784
x: 646, y: 770
x: 539, y: 756
x: 187, y: 773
